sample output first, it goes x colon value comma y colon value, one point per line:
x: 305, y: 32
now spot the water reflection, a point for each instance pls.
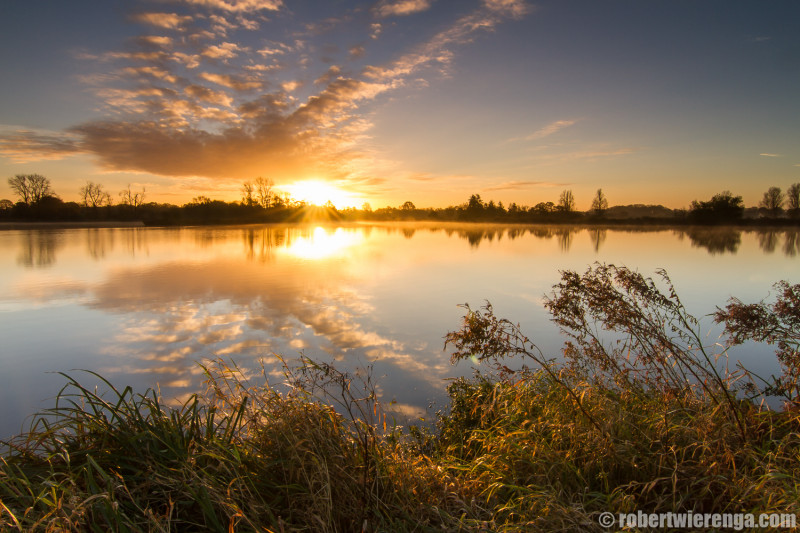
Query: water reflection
x: 98, y: 242
x: 768, y: 240
x: 382, y: 294
x: 37, y: 249
x: 323, y: 244
x: 598, y: 236
x: 791, y: 244
x: 715, y: 240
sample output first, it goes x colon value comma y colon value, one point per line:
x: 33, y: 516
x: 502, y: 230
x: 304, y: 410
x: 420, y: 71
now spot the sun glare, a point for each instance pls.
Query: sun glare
x: 318, y: 192
x: 321, y: 244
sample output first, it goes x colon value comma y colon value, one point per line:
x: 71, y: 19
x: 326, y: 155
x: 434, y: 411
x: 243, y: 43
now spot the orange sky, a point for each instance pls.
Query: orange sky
x: 394, y: 100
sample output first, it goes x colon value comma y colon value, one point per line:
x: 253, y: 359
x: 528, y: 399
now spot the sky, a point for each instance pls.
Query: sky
x: 387, y: 101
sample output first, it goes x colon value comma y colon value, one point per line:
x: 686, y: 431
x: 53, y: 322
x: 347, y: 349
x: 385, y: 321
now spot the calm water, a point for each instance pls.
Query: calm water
x: 142, y: 305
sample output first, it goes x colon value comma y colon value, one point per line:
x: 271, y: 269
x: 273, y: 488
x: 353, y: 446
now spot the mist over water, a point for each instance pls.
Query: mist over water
x: 141, y: 306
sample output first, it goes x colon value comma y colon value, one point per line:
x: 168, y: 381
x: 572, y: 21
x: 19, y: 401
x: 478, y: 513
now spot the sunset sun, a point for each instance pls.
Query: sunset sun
x: 318, y: 192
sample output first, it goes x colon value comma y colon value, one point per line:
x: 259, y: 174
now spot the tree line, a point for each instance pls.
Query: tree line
x: 261, y: 202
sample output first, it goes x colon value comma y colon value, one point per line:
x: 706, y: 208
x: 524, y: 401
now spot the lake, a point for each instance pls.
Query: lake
x: 141, y: 306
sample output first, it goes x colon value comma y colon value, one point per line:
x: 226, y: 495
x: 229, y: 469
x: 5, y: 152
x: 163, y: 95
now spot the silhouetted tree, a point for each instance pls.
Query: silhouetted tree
x: 408, y: 206
x: 130, y: 198
x: 6, y: 205
x: 93, y: 195
x: 566, y: 202
x: 600, y: 203
x: 263, y: 191
x: 31, y: 188
x: 248, y: 194
x: 773, y: 200
x: 366, y: 207
x: 475, y: 203
x: 793, y: 197
x: 200, y: 200
x: 722, y: 207
x: 544, y: 208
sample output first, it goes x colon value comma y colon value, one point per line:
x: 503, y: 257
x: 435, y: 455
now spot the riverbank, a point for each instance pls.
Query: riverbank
x: 21, y: 225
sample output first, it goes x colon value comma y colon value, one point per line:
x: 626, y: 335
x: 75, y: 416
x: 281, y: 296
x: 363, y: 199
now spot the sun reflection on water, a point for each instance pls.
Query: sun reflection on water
x: 322, y: 244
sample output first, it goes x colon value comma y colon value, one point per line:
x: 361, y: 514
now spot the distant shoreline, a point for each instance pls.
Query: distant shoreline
x: 608, y: 223
x: 72, y: 225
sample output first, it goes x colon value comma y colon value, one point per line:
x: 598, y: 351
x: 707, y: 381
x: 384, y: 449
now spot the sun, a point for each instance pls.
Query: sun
x: 318, y: 192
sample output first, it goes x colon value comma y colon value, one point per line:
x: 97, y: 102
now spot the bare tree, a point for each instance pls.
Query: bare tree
x: 248, y: 192
x: 93, y: 195
x: 793, y: 196
x: 39, y: 187
x: 600, y: 202
x: 19, y: 184
x: 31, y: 188
x: 773, y: 200
x: 566, y: 202
x: 263, y: 191
x: 133, y: 199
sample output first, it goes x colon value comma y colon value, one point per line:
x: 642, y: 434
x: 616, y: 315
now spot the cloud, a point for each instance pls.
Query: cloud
x: 151, y: 71
x: 518, y: 185
x: 167, y: 115
x: 163, y: 20
x: 236, y: 83
x: 770, y: 155
x: 207, y: 95
x: 25, y: 145
x: 437, y: 50
x: 550, y: 129
x: 357, y: 51
x: 190, y: 61
x: 389, y: 8
x: 331, y: 74
x: 590, y: 154
x: 248, y: 6
x: 290, y: 86
x: 223, y: 51
x: 512, y: 8
x: 156, y: 41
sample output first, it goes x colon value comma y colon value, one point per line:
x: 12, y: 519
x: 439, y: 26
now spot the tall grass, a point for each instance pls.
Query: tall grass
x: 649, y: 422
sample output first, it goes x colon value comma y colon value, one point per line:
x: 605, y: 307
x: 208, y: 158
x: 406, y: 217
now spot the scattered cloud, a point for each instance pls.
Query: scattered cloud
x: 512, y: 8
x: 26, y: 145
x: 770, y: 155
x: 331, y: 74
x: 242, y: 6
x: 589, y: 154
x: 151, y: 71
x: 198, y: 102
x: 207, y: 95
x: 290, y: 86
x: 549, y: 130
x: 170, y: 21
x: 223, y: 51
x: 357, y: 51
x: 237, y: 83
x: 190, y: 61
x: 518, y: 185
x: 157, y: 41
x: 389, y: 8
